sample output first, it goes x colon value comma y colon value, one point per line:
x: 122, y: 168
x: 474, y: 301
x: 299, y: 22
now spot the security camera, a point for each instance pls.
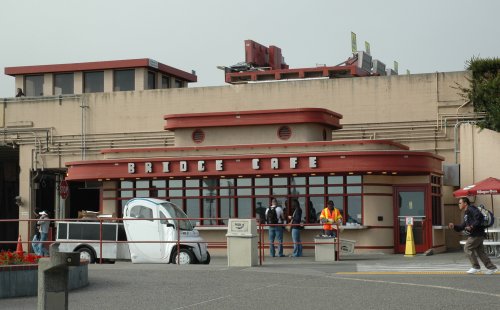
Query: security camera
x: 18, y: 200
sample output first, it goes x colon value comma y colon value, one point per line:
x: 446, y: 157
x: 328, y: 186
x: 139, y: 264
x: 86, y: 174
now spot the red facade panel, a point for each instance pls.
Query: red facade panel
x: 376, y: 162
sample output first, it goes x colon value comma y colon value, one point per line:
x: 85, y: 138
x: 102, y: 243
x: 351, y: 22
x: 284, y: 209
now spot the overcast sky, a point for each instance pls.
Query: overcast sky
x: 423, y: 36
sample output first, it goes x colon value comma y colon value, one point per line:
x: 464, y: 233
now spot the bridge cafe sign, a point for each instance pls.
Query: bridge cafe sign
x: 246, y: 165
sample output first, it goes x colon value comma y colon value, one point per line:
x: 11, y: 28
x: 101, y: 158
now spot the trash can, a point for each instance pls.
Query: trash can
x: 324, y: 252
x: 242, y: 246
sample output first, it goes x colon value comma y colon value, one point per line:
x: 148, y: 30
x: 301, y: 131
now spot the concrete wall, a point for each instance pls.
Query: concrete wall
x: 479, y: 159
x: 22, y: 281
x: 385, y: 99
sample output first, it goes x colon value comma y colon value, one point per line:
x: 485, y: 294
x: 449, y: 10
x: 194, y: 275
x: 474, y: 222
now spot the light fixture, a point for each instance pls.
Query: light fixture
x: 19, y: 201
x: 384, y: 172
x: 369, y: 172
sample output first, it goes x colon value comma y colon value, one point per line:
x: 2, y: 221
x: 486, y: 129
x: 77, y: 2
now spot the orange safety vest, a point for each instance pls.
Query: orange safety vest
x: 335, y: 216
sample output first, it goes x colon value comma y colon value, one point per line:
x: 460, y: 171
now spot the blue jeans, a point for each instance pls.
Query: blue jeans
x: 276, y: 231
x: 35, y: 244
x: 43, y: 246
x: 297, y: 245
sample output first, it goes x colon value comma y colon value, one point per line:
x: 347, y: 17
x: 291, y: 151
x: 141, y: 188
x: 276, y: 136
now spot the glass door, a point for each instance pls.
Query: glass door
x: 411, y: 202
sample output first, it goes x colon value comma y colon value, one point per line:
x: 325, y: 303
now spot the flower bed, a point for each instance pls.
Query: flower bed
x: 18, y: 258
x: 19, y: 275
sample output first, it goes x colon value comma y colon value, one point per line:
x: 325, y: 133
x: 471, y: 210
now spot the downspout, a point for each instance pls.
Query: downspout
x: 83, y: 106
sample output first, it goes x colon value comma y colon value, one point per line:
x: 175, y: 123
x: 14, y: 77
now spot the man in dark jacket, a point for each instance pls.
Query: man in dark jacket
x: 473, y: 228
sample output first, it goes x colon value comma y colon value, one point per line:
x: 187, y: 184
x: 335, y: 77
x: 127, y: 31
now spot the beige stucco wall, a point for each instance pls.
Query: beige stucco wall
x: 479, y: 159
x: 250, y: 135
x: 392, y: 99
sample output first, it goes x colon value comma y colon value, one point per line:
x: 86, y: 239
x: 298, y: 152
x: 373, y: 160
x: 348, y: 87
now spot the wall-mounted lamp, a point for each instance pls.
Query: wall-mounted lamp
x: 19, y: 201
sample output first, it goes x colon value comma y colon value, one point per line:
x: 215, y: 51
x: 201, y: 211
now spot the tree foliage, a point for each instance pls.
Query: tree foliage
x: 484, y: 91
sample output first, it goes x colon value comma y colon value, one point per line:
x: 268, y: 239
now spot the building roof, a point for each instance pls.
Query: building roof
x: 103, y: 65
x: 257, y: 117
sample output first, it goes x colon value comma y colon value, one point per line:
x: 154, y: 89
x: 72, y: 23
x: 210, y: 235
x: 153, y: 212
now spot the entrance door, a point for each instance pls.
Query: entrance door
x: 411, y: 202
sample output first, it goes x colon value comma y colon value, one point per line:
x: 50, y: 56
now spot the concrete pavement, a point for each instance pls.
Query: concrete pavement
x: 364, y: 281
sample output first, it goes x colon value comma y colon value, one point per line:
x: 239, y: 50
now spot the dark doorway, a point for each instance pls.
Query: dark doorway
x: 83, y: 196
x: 9, y: 190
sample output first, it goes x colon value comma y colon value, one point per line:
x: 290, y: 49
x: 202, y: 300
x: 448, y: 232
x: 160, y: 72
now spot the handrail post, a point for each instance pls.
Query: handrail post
x: 178, y: 243
x: 100, y: 241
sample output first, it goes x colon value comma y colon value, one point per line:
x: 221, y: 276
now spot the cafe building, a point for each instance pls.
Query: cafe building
x: 230, y: 164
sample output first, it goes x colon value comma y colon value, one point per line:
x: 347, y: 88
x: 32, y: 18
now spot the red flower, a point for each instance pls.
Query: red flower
x: 14, y: 258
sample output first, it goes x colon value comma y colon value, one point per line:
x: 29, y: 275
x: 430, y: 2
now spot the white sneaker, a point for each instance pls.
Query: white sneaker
x: 491, y: 271
x: 473, y: 271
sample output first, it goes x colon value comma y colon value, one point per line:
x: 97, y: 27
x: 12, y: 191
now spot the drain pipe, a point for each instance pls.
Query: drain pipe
x: 455, y: 137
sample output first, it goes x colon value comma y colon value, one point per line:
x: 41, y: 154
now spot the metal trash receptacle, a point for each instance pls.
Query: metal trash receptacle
x: 242, y: 246
x: 324, y: 249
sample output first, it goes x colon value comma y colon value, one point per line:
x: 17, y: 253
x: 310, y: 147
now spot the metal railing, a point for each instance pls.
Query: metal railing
x: 261, y: 229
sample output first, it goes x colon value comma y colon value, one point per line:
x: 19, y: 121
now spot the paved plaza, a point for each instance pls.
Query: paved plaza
x: 362, y: 281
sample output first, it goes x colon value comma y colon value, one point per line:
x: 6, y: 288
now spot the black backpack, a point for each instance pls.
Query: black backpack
x: 272, y: 216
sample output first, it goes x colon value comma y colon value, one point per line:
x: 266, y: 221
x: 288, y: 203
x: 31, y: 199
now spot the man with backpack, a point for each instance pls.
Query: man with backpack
x: 474, y: 229
x: 274, y: 216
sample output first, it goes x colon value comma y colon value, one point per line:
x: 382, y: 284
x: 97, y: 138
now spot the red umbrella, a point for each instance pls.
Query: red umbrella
x: 489, y: 186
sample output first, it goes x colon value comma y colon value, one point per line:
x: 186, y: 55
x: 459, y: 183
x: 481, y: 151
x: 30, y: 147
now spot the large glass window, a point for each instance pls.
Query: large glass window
x: 436, y: 200
x: 63, y: 83
x: 142, y: 188
x: 126, y: 191
x: 165, y: 81
x: 124, y: 80
x: 93, y: 82
x: 33, y: 85
x: 249, y: 197
x: 178, y: 84
x: 158, y: 189
x: 151, y: 80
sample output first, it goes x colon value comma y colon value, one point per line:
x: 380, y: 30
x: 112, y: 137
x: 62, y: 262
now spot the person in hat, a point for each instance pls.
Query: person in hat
x: 473, y: 228
x: 330, y: 215
x: 44, y: 224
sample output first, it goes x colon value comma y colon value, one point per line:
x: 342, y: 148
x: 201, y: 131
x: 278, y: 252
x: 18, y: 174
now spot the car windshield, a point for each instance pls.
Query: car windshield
x: 177, y: 213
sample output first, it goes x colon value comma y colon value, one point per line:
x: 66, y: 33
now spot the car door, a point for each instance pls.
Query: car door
x: 142, y: 228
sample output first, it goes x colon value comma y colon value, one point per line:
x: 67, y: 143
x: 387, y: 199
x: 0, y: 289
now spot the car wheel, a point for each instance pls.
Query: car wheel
x: 185, y: 257
x: 86, y: 254
x: 207, y: 261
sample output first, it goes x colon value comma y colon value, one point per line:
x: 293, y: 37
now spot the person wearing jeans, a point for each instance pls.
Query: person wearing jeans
x: 295, y: 220
x: 473, y: 228
x: 44, y: 233
x: 275, y: 231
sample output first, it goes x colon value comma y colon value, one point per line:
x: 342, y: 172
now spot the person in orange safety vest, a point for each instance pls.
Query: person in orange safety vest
x: 329, y: 216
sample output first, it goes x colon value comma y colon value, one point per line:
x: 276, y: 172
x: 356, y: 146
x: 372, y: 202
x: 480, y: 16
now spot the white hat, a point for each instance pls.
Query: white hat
x: 43, y: 213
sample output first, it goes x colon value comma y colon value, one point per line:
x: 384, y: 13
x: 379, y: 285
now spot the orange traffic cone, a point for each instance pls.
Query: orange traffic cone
x: 19, y: 249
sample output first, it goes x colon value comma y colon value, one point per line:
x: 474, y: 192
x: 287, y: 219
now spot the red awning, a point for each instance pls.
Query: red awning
x: 489, y: 186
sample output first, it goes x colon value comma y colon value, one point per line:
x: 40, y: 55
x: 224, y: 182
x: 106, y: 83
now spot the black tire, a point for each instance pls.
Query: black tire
x: 207, y: 261
x: 87, y: 254
x: 186, y: 257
